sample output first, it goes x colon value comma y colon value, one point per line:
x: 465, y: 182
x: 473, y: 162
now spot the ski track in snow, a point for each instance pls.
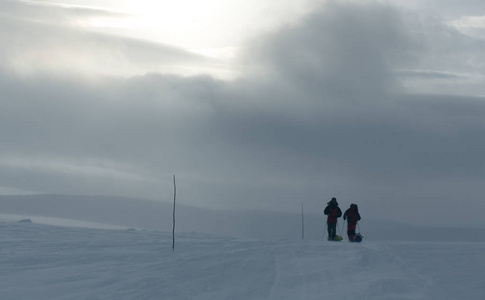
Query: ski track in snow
x: 49, y: 262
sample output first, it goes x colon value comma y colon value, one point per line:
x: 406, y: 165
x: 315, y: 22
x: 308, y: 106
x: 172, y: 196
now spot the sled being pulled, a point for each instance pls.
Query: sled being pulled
x: 338, y: 238
x: 358, y: 238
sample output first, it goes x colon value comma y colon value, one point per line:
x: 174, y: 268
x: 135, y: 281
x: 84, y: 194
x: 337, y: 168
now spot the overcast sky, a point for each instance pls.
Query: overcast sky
x: 254, y: 104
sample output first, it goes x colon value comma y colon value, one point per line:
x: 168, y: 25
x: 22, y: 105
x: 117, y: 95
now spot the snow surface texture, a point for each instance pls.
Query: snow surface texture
x: 55, y: 262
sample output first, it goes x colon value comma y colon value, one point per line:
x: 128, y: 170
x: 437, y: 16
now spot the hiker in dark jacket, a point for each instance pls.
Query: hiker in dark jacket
x: 333, y: 212
x: 352, y: 216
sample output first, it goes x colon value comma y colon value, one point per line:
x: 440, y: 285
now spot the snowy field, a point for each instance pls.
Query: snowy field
x: 56, y: 262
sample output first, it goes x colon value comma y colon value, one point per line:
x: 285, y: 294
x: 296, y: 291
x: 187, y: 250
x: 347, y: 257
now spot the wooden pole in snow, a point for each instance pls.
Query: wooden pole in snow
x: 173, y: 228
x: 302, y: 223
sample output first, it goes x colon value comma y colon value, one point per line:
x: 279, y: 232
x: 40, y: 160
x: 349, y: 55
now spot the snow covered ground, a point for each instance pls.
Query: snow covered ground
x: 57, y: 262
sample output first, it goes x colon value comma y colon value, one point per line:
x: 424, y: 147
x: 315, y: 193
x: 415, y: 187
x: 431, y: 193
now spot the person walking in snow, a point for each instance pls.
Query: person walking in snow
x: 352, y: 216
x: 333, y: 212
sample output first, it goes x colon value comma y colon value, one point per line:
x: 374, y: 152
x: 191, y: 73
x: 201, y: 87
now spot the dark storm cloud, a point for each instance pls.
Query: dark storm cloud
x: 338, y: 50
x: 335, y: 73
x: 319, y: 112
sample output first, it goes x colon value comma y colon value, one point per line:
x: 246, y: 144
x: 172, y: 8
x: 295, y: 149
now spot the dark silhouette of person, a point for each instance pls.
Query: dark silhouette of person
x: 352, y: 216
x: 333, y: 212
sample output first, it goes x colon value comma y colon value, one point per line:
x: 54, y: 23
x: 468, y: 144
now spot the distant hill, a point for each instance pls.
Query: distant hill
x: 157, y: 215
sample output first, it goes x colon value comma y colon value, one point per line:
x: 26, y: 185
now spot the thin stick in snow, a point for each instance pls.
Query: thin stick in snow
x: 173, y: 228
x: 302, y: 223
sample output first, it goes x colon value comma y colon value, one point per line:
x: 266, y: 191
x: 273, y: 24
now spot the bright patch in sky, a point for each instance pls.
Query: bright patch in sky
x: 471, y: 25
x: 190, y: 24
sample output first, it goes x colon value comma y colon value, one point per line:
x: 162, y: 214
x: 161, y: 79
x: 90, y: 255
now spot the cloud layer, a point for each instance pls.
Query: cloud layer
x: 330, y: 106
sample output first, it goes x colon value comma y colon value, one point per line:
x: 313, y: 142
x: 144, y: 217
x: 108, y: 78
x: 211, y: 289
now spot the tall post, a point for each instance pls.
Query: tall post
x: 173, y: 228
x: 302, y: 223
